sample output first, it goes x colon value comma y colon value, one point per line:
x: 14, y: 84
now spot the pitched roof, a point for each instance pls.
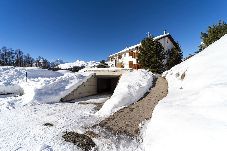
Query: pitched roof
x: 137, y: 45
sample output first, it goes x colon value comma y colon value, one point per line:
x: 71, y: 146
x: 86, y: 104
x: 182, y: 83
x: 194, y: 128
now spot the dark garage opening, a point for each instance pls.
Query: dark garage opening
x: 106, y: 84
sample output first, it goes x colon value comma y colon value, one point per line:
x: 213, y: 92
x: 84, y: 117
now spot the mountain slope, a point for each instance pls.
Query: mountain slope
x: 78, y: 63
x: 193, y: 116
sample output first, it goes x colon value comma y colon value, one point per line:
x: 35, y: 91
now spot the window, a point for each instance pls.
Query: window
x: 136, y: 55
x: 131, y: 53
x: 130, y: 64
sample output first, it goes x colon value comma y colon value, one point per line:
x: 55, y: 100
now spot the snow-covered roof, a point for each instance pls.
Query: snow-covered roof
x: 137, y: 45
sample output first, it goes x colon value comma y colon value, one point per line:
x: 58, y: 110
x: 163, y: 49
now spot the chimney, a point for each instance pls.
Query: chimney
x: 148, y: 34
x: 165, y: 32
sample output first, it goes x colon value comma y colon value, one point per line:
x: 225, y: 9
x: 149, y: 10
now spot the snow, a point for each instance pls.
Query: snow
x: 42, y: 86
x: 193, y: 115
x: 58, y: 88
x: 78, y: 63
x: 22, y: 118
x: 94, y: 99
x: 131, y: 87
x: 23, y: 128
x: 126, y: 49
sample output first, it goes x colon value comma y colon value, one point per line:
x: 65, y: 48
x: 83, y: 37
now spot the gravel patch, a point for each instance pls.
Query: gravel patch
x: 128, y: 120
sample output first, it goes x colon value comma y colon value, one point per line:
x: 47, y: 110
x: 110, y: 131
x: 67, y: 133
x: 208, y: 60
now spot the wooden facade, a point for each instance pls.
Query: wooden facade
x: 134, y: 66
x: 120, y: 65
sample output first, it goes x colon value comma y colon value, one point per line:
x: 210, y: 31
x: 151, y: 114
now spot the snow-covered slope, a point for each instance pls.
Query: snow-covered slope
x: 42, y: 86
x: 193, y: 116
x: 78, y: 63
x: 131, y: 87
x: 22, y: 121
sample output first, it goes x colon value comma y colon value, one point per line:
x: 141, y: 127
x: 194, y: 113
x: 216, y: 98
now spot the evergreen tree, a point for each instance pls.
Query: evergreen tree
x: 152, y: 55
x: 174, y: 57
x: 213, y: 33
x: 102, y: 64
x: 76, y: 68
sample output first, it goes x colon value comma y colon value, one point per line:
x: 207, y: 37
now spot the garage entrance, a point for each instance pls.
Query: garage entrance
x: 97, y: 84
x: 106, y: 84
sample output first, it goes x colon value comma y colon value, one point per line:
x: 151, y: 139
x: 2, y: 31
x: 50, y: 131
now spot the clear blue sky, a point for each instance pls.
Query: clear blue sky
x: 94, y: 29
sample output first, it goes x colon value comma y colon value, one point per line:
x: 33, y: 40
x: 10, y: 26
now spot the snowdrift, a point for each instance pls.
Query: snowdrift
x: 42, y: 86
x: 131, y: 87
x: 193, y: 115
x: 8, y: 82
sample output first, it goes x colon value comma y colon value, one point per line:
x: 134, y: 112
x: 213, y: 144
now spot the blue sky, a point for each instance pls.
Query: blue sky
x: 94, y: 29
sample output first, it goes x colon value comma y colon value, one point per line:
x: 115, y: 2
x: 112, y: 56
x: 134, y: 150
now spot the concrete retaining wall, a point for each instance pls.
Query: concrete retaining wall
x: 85, y: 89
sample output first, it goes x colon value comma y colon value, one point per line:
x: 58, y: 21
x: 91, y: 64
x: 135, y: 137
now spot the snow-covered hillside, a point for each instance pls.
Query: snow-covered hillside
x: 42, y: 86
x: 78, y: 63
x: 193, y: 116
x: 23, y: 118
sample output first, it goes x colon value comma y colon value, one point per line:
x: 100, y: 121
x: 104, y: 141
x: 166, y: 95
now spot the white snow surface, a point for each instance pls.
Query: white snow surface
x: 78, y: 63
x: 193, y: 116
x: 131, y: 87
x: 22, y: 118
x: 22, y: 128
x: 42, y: 86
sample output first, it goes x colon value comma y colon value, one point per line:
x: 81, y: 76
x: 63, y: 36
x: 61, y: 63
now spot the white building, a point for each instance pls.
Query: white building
x: 128, y: 57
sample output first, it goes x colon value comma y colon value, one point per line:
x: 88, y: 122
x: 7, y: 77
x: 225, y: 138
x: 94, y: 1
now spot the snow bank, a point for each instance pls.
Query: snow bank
x: 78, y: 63
x: 131, y: 87
x: 42, y: 86
x: 59, y: 88
x: 193, y: 115
x: 9, y: 81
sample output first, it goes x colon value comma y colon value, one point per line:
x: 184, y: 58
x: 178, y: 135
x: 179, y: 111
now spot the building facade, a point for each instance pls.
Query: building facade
x: 128, y: 57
